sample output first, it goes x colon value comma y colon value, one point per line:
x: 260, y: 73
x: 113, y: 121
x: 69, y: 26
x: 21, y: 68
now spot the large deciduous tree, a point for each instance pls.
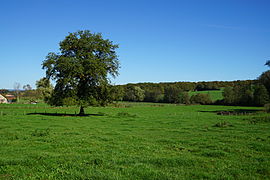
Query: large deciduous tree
x: 81, y: 69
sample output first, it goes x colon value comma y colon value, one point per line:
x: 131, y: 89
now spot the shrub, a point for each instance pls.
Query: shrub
x: 153, y: 95
x: 134, y: 93
x: 184, y: 98
x: 200, y: 99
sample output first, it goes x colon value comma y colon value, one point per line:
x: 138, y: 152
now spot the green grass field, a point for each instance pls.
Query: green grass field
x: 134, y: 141
x: 214, y: 94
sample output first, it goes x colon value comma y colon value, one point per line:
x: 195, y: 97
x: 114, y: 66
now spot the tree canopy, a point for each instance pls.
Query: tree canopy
x: 81, y: 69
x: 265, y: 77
x: 44, y: 88
x: 267, y: 63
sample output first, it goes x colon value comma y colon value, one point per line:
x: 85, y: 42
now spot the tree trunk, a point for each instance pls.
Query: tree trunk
x: 81, y: 111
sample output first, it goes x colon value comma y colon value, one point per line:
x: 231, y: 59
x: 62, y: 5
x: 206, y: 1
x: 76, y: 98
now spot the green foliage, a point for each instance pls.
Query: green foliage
x: 4, y: 91
x: 81, y: 69
x: 27, y: 87
x: 229, y: 96
x: 117, y: 93
x: 200, y: 99
x: 155, y: 92
x: 261, y: 96
x: 30, y: 95
x: 204, y: 86
x: 247, y: 95
x: 70, y: 101
x: 171, y: 94
x: 44, y: 88
x: 134, y: 93
x: 265, y: 80
x: 153, y: 95
x: 267, y: 63
x: 184, y: 97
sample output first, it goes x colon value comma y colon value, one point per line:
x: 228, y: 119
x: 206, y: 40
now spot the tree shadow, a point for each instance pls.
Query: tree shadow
x: 234, y: 111
x: 64, y: 114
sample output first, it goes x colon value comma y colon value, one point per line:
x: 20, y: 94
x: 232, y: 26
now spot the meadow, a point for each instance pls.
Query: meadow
x: 134, y: 141
x: 214, y: 94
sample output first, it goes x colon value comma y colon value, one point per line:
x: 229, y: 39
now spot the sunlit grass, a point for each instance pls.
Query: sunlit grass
x: 214, y: 94
x: 133, y: 141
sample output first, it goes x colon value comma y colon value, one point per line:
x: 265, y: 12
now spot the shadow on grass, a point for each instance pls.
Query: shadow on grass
x: 234, y: 111
x: 237, y: 110
x: 64, y: 114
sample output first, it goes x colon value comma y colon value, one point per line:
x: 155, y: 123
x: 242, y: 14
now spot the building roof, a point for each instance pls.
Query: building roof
x: 10, y: 96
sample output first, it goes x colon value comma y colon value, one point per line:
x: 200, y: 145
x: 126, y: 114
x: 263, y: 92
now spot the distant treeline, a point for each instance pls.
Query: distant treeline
x: 241, y: 92
x: 169, y: 92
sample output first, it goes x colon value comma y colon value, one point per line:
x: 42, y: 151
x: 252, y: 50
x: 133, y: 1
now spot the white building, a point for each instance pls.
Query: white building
x: 3, y: 100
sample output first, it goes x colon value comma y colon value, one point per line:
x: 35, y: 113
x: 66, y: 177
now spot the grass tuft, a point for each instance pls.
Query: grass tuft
x: 222, y: 124
x: 41, y: 132
x: 126, y: 114
x: 255, y: 120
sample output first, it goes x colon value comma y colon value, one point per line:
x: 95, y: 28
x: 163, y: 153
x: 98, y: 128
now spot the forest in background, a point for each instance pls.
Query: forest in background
x: 240, y: 92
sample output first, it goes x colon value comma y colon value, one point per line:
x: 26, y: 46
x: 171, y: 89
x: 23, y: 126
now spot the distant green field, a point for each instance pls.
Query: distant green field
x: 214, y: 94
x: 134, y: 141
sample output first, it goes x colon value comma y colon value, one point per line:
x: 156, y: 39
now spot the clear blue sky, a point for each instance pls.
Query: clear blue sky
x: 160, y: 40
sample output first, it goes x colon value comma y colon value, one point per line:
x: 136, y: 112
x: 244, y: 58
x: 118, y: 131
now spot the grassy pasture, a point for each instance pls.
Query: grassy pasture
x: 214, y: 94
x: 134, y: 141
